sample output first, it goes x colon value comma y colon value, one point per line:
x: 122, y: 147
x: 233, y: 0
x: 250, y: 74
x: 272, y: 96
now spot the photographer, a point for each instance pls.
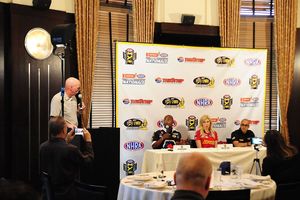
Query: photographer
x: 62, y: 160
x: 167, y: 137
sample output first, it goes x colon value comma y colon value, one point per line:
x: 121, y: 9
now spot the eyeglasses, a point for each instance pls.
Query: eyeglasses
x: 244, y: 124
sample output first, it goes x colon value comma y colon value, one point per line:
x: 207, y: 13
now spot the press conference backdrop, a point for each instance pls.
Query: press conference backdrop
x: 228, y: 84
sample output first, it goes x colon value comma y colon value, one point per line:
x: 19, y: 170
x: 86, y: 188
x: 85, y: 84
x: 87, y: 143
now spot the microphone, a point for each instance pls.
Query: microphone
x: 80, y: 100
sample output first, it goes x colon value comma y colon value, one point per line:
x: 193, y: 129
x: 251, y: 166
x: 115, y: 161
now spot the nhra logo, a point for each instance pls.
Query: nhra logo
x: 130, y: 167
x: 134, y: 145
x: 232, y: 81
x: 160, y: 123
x: 224, y: 61
x: 219, y: 122
x: 129, y: 56
x: 135, y: 123
x: 168, y: 80
x: 249, y: 101
x: 203, y: 102
x: 137, y: 101
x: 133, y: 79
x: 160, y: 58
x: 173, y: 102
x: 226, y: 102
x: 191, y: 122
x: 254, y: 81
x: 252, y: 61
x: 204, y: 81
x: 190, y: 60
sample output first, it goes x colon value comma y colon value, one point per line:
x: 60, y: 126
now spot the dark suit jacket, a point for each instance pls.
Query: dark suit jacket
x: 62, y: 163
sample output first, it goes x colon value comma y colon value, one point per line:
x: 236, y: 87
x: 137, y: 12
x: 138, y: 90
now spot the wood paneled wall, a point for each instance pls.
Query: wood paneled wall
x: 26, y: 89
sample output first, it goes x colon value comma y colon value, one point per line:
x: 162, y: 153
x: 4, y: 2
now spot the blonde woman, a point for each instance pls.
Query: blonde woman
x: 206, y: 137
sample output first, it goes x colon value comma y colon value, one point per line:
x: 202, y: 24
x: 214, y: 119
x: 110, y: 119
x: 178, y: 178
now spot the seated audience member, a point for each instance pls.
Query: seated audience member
x: 206, y: 137
x: 242, y: 136
x: 167, y: 137
x: 17, y: 190
x: 61, y: 160
x: 282, y: 162
x: 192, y: 177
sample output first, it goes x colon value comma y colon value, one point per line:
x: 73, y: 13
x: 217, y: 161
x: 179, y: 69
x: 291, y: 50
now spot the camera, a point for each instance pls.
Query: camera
x: 79, y: 131
x: 256, y: 140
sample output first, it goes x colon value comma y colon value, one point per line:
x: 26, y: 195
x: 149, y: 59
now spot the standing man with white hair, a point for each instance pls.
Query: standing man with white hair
x: 71, y: 106
x: 192, y: 177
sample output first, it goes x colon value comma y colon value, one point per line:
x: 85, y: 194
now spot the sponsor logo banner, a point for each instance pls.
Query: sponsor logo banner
x: 203, y: 81
x: 203, y: 102
x: 137, y: 101
x: 252, y: 61
x: 169, y: 80
x: 135, y: 123
x: 224, y: 61
x: 130, y: 167
x: 191, y: 122
x: 226, y: 102
x: 190, y: 60
x: 133, y: 79
x: 156, y: 57
x: 249, y: 101
x: 173, y: 102
x: 232, y: 82
x: 134, y: 145
x: 129, y: 56
x: 254, y: 81
x: 218, y: 122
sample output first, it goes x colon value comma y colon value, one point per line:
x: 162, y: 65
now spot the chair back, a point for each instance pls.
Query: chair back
x: 193, y: 143
x: 243, y: 194
x: 287, y: 191
x: 47, y: 190
x: 91, y: 192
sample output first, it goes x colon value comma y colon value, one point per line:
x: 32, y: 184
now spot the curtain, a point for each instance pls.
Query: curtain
x: 229, y: 22
x: 285, y: 41
x: 143, y: 20
x: 86, y: 17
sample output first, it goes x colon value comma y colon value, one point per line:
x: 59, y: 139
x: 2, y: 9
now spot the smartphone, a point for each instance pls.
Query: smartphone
x: 256, y: 140
x: 79, y: 131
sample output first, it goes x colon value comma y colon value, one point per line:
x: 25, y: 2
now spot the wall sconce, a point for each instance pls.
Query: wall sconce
x: 38, y: 43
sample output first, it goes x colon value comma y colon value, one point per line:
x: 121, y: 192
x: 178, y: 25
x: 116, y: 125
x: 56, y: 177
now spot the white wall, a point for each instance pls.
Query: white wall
x: 62, y: 5
x: 205, y: 11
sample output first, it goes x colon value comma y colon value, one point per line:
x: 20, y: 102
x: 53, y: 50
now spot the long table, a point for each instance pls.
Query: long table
x: 162, y: 159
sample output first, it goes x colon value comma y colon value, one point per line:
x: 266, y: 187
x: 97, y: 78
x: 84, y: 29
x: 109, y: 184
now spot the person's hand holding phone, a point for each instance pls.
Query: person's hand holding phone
x: 86, y: 135
x: 70, y: 135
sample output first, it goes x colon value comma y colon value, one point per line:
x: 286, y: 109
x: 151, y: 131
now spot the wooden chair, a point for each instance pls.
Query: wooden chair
x: 243, y: 194
x: 287, y: 191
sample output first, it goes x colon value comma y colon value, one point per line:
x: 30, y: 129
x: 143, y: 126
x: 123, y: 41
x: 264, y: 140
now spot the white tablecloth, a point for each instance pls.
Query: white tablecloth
x: 162, y: 159
x: 265, y: 191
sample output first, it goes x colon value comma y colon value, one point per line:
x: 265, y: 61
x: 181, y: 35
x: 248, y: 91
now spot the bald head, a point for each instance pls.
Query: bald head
x: 72, y: 86
x: 193, y: 172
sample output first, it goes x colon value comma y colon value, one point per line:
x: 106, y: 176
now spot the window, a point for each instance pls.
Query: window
x: 115, y: 24
x: 256, y: 31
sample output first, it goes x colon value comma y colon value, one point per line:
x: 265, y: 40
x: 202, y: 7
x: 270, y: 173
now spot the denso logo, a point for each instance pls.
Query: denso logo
x: 252, y: 61
x: 232, y: 81
x: 203, y: 102
x: 134, y: 145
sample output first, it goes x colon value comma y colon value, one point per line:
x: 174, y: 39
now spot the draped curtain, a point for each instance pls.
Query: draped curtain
x: 229, y: 22
x: 285, y: 40
x: 143, y: 20
x: 86, y: 16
